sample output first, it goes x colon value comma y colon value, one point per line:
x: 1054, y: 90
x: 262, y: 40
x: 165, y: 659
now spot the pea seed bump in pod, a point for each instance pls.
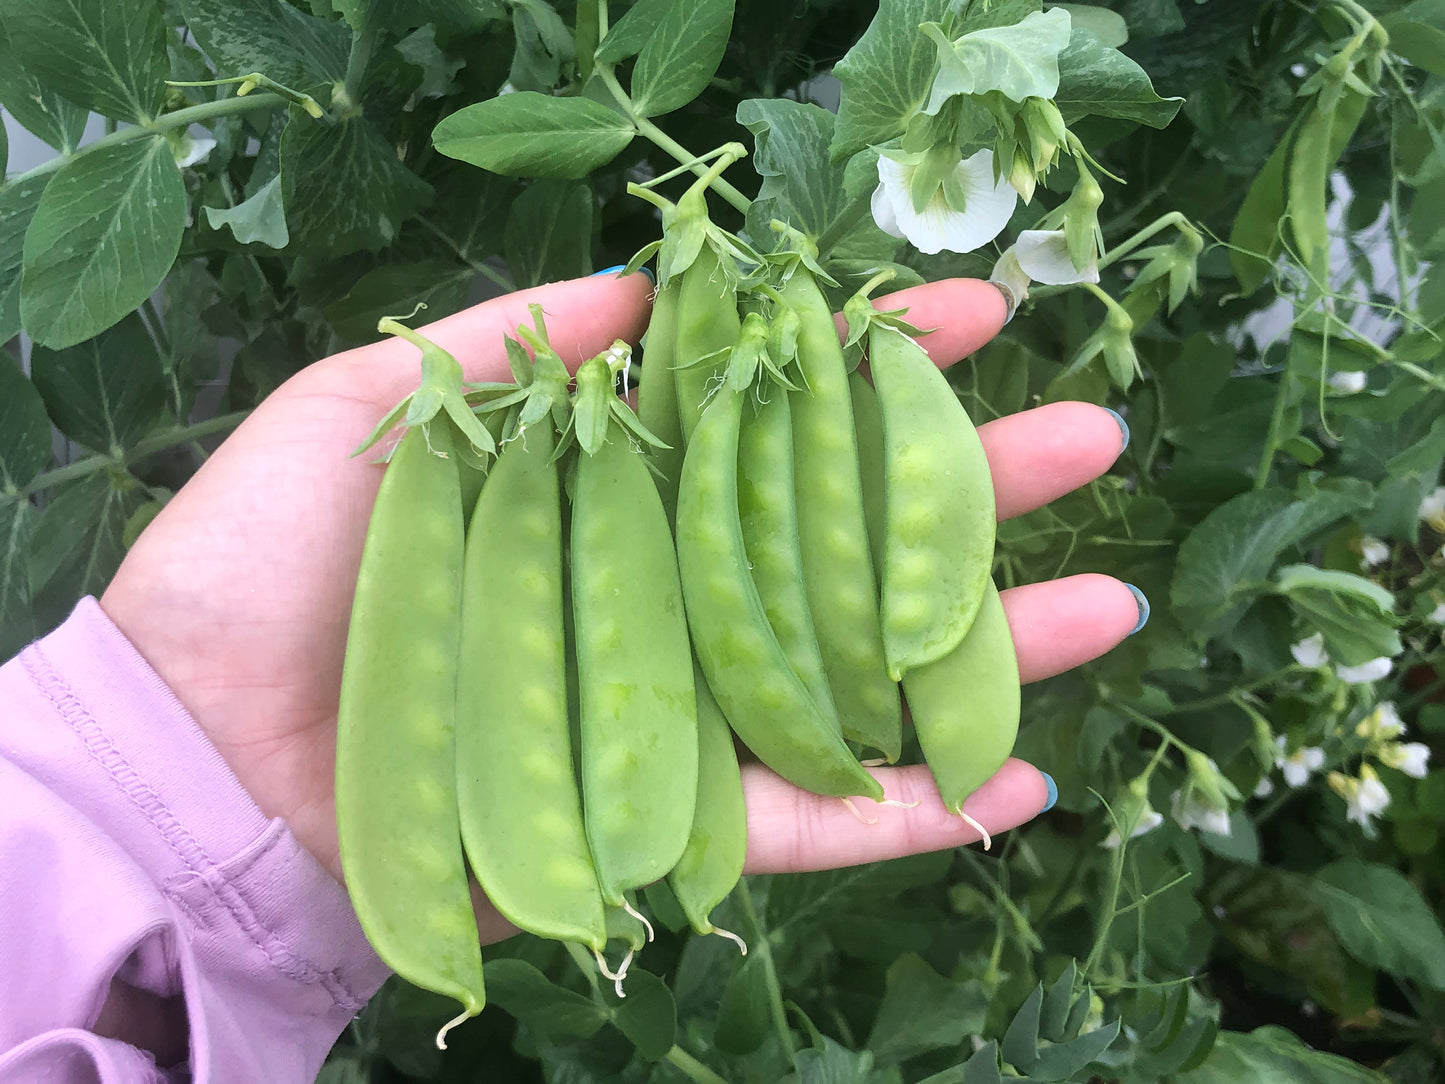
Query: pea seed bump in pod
x: 396, y: 799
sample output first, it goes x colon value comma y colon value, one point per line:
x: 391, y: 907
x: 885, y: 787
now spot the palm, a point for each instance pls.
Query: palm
x: 239, y: 594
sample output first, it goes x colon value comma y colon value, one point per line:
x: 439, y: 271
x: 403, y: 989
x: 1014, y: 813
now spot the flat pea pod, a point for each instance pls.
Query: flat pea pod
x: 637, y: 705
x: 965, y: 706
x: 707, y: 322
x: 764, y: 700
x: 767, y: 508
x: 832, y: 533
x: 712, y: 861
x: 521, y: 813
x: 657, y: 391
x: 939, y: 515
x: 868, y: 426
x: 396, y: 798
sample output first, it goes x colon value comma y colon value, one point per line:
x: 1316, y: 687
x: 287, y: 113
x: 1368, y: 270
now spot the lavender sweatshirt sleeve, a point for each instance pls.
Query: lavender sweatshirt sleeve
x: 129, y: 851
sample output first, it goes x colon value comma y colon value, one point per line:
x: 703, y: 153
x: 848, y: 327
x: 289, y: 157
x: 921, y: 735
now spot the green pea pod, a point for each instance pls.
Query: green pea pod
x: 637, y: 705
x: 965, y: 706
x: 712, y: 862
x: 939, y: 513
x: 764, y: 700
x: 707, y: 322
x: 396, y: 798
x: 868, y: 425
x: 657, y: 391
x: 837, y: 567
x: 767, y: 508
x: 521, y: 813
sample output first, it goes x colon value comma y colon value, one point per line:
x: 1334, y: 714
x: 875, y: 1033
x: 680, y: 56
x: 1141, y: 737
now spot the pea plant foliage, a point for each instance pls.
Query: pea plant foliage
x: 1220, y: 218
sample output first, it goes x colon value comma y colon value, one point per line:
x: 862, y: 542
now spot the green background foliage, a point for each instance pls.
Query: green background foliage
x: 159, y: 302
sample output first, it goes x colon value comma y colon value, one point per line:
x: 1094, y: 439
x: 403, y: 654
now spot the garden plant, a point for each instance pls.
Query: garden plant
x: 1217, y: 217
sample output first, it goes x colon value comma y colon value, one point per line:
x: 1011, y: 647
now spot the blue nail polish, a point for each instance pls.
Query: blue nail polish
x: 610, y: 270
x: 1123, y: 428
x: 1053, y: 792
x: 1143, y: 608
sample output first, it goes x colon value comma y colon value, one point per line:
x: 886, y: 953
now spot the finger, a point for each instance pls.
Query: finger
x: 1064, y: 623
x: 791, y: 831
x: 1039, y: 455
x: 959, y: 316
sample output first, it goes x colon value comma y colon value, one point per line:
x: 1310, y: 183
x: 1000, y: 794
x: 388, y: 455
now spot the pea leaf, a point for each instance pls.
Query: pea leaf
x: 344, y: 187
x: 885, y: 77
x: 1381, y: 920
x: 260, y: 218
x: 106, y: 231
x: 1097, y: 80
x: 107, y: 55
x: 1019, y: 61
x: 398, y: 288
x: 553, y: 1012
x: 270, y: 37
x: 78, y: 541
x: 535, y: 135
x: 24, y: 429
x: 17, y: 207
x: 105, y: 393
x: 922, y: 1011
x: 549, y: 233
x: 39, y: 108
x: 681, y: 56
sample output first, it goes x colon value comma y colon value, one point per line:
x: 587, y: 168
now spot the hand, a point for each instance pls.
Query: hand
x: 239, y: 593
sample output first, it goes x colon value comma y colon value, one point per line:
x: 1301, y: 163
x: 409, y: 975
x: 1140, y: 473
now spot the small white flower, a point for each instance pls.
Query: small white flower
x: 1194, y: 811
x: 1044, y: 257
x: 1347, y: 381
x: 1149, y: 820
x: 1297, y: 767
x: 1373, y: 552
x: 1264, y: 788
x: 1412, y: 758
x: 1311, y: 651
x: 1432, y: 510
x: 1366, y: 672
x: 1437, y: 615
x: 988, y: 205
x: 1382, y: 724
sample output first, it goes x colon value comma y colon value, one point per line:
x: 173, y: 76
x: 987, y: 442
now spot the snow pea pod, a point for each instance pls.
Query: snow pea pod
x: 396, y: 798
x: 521, y: 813
x: 939, y: 511
x: 746, y: 669
x: 837, y: 567
x: 638, y: 713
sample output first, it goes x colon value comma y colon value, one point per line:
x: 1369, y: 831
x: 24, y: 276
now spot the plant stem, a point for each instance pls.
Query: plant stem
x: 181, y: 118
x: 693, y: 1068
x: 149, y: 446
x: 764, y: 948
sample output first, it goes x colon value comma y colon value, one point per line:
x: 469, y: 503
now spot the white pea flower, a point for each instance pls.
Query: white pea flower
x: 1044, y: 257
x: 1382, y: 724
x: 1373, y: 670
x: 1412, y: 758
x: 1191, y: 809
x: 1311, y: 651
x: 1297, y: 767
x: 1264, y: 788
x: 1366, y: 797
x: 1149, y: 820
x: 1432, y: 510
x: 1347, y: 381
x: 1373, y: 552
x: 967, y: 210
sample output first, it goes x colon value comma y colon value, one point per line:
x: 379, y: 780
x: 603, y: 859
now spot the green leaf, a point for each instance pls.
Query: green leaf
x: 398, y: 288
x: 535, y: 135
x: 107, y: 55
x: 549, y: 233
x: 1273, y: 1056
x: 1019, y: 61
x: 270, y: 37
x: 647, y: 1015
x: 38, y: 108
x: 24, y: 429
x: 631, y: 32
x: 344, y: 187
x: 1096, y: 80
x: 553, y: 1012
x: 105, y: 393
x: 105, y: 233
x: 1224, y: 563
x: 261, y: 218
x: 681, y: 57
x: 1382, y: 920
x: 922, y: 1010
x: 17, y: 624
x: 79, y: 540
x: 885, y: 77
x: 17, y: 207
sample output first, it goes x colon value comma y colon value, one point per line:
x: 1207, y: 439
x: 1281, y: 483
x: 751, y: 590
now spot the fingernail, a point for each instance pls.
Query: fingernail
x: 1010, y: 299
x: 610, y: 270
x: 1143, y: 608
x: 1053, y: 792
x: 1123, y: 428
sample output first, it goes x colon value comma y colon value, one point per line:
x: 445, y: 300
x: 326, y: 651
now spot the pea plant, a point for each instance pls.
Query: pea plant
x: 1221, y: 219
